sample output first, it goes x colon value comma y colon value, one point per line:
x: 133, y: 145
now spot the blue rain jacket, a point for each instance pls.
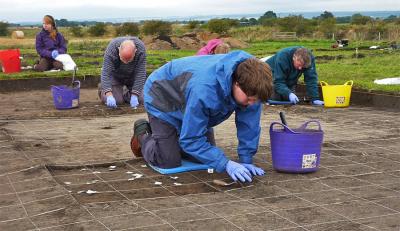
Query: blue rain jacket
x: 286, y: 76
x: 194, y: 94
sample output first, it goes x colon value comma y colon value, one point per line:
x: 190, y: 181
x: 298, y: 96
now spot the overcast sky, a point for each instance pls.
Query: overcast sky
x: 34, y: 10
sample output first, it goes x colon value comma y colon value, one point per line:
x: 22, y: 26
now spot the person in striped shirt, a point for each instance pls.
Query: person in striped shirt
x: 123, y: 73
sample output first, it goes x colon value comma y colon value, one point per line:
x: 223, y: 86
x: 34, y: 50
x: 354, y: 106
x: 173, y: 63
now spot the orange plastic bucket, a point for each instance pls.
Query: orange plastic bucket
x: 10, y: 61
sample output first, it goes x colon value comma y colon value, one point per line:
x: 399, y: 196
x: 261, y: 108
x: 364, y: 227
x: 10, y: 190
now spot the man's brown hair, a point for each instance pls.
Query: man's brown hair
x: 254, y: 78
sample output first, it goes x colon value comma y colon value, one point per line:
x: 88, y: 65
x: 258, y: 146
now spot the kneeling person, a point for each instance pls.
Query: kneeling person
x: 287, y: 66
x: 187, y: 97
x: 124, y: 72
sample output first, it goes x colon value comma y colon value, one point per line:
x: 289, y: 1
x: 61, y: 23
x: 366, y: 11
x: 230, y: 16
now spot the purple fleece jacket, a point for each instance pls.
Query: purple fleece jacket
x: 45, y: 45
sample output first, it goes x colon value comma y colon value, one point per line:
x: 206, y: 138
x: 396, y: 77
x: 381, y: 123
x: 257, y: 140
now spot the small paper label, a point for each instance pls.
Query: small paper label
x: 75, y: 102
x: 340, y: 99
x: 210, y: 170
x: 309, y: 161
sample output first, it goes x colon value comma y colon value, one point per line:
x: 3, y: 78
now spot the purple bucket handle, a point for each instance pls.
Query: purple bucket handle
x: 286, y: 128
x: 76, y: 81
x: 78, y: 84
x: 52, y: 86
x: 302, y: 127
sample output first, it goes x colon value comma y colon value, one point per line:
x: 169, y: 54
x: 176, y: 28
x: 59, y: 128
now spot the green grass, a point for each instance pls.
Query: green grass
x: 372, y: 64
x: 341, y: 65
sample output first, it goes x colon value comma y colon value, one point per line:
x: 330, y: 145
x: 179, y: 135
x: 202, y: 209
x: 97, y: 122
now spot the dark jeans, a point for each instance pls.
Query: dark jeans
x: 121, y: 94
x: 161, y: 148
x: 46, y: 64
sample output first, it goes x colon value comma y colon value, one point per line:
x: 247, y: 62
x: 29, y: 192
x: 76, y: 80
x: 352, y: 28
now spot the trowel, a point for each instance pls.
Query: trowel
x: 283, y: 118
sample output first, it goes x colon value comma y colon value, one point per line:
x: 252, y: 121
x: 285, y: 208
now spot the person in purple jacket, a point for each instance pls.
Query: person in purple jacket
x: 214, y: 46
x: 49, y: 44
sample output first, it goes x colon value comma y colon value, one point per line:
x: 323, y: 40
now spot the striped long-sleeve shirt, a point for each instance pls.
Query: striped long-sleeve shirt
x: 133, y: 74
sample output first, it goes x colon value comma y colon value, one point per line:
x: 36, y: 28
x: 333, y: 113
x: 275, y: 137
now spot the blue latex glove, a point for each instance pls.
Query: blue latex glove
x: 318, y: 102
x: 111, y: 102
x: 134, y: 101
x: 293, y: 98
x: 54, y: 54
x: 256, y: 171
x: 238, y: 172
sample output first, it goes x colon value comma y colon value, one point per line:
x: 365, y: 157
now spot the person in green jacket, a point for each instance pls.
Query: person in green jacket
x: 287, y: 66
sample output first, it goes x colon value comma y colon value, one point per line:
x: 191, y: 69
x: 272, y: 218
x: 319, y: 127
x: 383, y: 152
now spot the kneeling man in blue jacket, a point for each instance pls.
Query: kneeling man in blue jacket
x: 187, y: 97
x: 287, y: 66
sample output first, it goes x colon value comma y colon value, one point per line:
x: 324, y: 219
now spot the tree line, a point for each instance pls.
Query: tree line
x: 326, y: 24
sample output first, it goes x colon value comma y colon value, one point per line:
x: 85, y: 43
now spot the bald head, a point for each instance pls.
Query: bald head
x: 127, y: 51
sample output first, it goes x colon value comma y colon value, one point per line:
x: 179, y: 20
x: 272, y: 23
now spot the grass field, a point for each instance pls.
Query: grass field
x: 335, y: 66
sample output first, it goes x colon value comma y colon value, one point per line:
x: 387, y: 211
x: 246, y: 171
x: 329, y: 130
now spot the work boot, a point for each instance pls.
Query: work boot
x: 141, y: 127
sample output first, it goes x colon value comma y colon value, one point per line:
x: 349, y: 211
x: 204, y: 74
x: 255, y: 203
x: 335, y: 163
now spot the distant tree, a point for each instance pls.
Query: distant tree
x: 157, y: 27
x: 3, y: 28
x: 359, y: 19
x: 88, y: 23
x: 243, y: 19
x: 296, y: 23
x: 392, y: 18
x: 62, y: 22
x: 127, y: 28
x: 65, y: 23
x: 76, y: 31
x: 253, y: 21
x: 221, y: 26
x: 327, y: 26
x: 326, y: 15
x: 345, y: 19
x: 268, y: 19
x: 326, y: 23
x: 99, y: 29
x: 244, y: 22
x: 269, y: 14
x: 192, y: 24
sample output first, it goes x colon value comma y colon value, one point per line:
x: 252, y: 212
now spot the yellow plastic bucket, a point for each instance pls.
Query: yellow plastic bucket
x: 336, y: 95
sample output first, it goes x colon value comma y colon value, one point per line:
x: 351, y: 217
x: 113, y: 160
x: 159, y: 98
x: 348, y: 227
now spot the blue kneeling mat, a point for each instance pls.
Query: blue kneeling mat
x: 185, y: 167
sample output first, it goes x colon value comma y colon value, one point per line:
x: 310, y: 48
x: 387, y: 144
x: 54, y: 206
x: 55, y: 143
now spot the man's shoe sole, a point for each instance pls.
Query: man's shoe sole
x: 135, y: 145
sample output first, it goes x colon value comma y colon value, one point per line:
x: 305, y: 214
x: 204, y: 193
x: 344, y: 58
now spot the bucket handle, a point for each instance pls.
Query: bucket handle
x: 350, y: 82
x: 304, y: 126
x: 323, y: 83
x: 53, y: 86
x: 78, y: 84
x: 76, y: 81
x: 286, y: 128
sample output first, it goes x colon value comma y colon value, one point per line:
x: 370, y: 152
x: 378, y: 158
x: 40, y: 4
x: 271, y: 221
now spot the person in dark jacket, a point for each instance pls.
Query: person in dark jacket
x: 287, y: 66
x: 187, y: 97
x: 124, y: 72
x: 49, y: 44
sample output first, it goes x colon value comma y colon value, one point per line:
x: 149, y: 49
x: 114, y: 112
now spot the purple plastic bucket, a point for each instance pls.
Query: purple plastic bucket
x: 296, y: 150
x: 65, y: 97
